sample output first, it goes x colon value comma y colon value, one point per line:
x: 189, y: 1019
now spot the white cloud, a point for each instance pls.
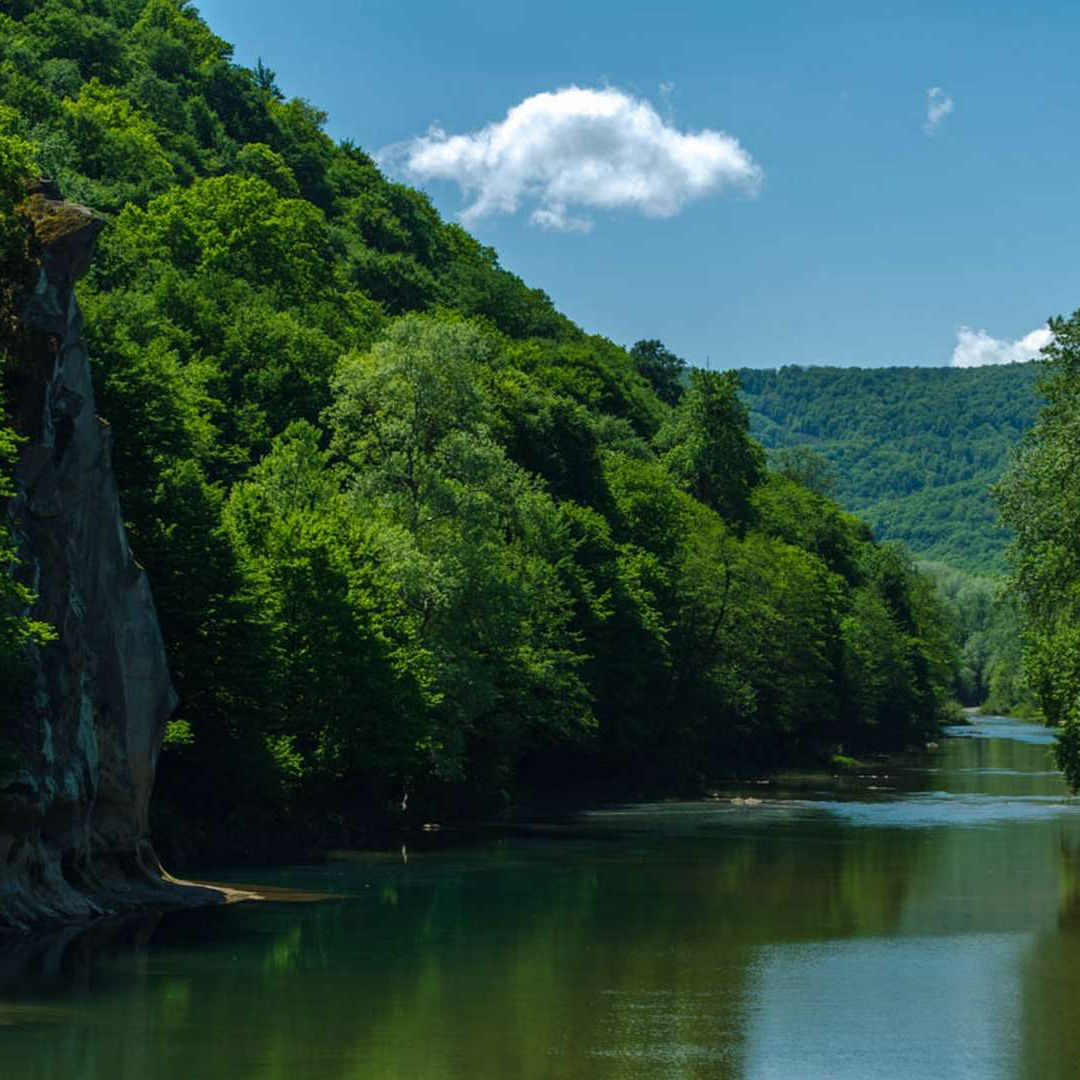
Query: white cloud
x: 579, y: 148
x: 556, y: 217
x: 976, y: 347
x: 938, y: 106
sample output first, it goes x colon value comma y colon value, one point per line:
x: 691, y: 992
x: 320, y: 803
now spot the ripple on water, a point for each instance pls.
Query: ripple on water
x: 943, y: 808
x: 997, y: 727
x: 917, y: 810
x: 981, y: 771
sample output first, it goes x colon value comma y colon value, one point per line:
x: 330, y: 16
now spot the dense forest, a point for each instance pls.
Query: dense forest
x: 916, y: 452
x: 415, y: 538
x: 984, y: 623
x: 913, y: 451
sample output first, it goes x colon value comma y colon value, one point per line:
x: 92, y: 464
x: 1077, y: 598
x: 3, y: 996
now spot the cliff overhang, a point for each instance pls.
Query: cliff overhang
x: 80, y: 735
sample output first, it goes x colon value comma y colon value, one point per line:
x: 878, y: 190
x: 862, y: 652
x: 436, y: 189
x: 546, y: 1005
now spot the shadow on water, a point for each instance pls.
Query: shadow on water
x: 849, y: 936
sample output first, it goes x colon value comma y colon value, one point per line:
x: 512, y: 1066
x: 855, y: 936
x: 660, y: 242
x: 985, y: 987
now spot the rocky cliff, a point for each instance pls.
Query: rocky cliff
x: 81, y: 737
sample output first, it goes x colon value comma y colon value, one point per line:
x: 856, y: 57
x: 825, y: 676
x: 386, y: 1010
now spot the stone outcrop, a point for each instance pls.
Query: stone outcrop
x: 81, y: 738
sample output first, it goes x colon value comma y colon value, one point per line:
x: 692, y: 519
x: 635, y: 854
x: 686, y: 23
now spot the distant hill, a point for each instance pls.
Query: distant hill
x: 912, y: 450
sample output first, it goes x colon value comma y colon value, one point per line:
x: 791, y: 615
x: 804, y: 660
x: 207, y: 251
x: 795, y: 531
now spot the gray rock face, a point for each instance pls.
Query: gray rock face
x: 84, y: 736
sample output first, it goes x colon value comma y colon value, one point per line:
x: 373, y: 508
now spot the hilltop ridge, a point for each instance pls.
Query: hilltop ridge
x: 912, y: 450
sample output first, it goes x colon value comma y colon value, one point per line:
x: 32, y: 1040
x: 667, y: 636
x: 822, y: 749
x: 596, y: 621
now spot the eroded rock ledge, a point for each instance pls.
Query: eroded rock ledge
x: 80, y: 740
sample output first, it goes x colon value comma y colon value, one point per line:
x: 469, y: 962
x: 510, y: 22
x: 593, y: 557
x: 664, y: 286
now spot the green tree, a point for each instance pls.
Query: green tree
x: 1040, y: 500
x: 661, y: 367
x: 472, y: 542
x: 346, y: 675
x: 17, y: 629
x: 116, y: 147
x: 706, y: 445
x: 805, y: 466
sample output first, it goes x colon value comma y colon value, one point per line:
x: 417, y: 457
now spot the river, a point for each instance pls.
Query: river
x: 923, y: 922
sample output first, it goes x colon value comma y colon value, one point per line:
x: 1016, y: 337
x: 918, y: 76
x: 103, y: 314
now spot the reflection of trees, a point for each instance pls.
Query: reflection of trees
x: 600, y: 954
x: 1069, y: 878
x: 51, y: 988
x: 1021, y: 877
x: 37, y: 963
x: 1018, y: 768
x: 1050, y: 1019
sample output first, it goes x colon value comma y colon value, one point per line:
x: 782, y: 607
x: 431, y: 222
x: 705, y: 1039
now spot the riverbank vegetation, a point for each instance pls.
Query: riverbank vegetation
x: 414, y: 536
x: 1040, y: 500
x: 984, y: 624
x: 18, y: 631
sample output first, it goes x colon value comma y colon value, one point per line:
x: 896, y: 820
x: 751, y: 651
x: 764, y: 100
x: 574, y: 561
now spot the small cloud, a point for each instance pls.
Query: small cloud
x: 974, y: 348
x: 667, y: 89
x: 938, y: 106
x: 556, y: 217
x: 574, y: 149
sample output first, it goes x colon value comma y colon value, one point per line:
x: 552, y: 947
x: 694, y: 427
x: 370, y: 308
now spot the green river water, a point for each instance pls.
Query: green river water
x: 921, y: 923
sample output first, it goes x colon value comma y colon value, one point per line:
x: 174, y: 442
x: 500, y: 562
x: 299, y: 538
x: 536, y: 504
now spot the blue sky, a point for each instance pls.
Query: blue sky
x: 868, y: 240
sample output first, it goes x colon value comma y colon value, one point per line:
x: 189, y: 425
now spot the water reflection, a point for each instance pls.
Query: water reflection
x: 925, y: 1007
x: 1001, y: 728
x: 929, y: 930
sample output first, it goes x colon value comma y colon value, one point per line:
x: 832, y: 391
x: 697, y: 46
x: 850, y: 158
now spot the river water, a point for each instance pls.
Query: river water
x: 924, y: 922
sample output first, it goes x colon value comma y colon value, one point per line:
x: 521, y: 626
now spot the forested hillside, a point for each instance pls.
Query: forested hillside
x: 913, y: 451
x: 412, y: 534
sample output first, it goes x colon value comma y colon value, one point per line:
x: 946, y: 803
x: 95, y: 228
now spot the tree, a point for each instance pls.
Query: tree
x: 1040, y: 499
x: 806, y: 467
x: 17, y: 629
x: 707, y: 447
x: 345, y: 673
x: 266, y: 80
x: 661, y: 367
x: 473, y: 544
